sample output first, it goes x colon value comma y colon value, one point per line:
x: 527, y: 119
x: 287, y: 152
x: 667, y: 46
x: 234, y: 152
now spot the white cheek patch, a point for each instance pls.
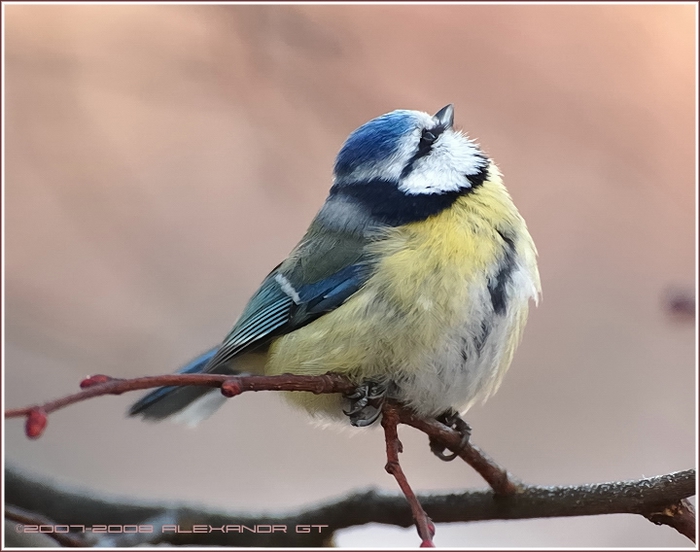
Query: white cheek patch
x: 445, y: 169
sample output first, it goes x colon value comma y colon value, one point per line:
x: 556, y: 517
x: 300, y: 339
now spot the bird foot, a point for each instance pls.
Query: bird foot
x: 366, y: 403
x: 452, y: 420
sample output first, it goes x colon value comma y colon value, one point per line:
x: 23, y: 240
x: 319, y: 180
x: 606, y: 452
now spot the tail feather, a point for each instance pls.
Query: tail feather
x: 166, y: 401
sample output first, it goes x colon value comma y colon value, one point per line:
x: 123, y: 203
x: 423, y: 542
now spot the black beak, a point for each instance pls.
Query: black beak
x: 445, y: 117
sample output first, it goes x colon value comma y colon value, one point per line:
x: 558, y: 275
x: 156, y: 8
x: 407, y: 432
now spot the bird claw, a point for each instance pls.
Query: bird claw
x: 356, y: 394
x: 366, y: 403
x: 452, y: 420
x: 377, y: 391
x: 356, y: 405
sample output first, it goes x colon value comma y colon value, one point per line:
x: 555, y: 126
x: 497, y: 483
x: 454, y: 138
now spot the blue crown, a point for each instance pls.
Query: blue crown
x: 373, y: 142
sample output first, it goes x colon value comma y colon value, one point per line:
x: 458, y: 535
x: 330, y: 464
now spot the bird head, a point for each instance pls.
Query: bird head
x: 413, y: 151
x: 402, y: 167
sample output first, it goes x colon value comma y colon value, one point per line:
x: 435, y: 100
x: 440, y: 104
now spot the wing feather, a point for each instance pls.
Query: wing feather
x: 272, y: 311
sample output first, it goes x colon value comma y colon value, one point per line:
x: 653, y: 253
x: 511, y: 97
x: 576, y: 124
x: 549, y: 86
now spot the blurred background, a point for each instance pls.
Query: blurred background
x: 161, y: 159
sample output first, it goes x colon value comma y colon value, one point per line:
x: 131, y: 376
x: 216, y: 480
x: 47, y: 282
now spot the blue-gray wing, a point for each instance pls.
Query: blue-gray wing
x: 280, y: 306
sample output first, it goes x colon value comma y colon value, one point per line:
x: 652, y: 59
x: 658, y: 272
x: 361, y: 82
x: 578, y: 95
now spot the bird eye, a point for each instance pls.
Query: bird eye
x: 427, y: 138
x: 425, y: 146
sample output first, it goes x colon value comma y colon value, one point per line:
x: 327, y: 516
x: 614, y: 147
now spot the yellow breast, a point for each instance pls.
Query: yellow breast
x: 419, y: 292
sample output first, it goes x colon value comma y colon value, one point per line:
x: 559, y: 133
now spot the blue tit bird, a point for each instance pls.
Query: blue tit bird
x: 414, y: 280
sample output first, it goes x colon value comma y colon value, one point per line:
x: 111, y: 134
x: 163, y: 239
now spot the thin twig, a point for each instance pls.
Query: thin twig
x: 327, y: 383
x: 390, y: 422
x: 100, y: 385
x: 502, y: 482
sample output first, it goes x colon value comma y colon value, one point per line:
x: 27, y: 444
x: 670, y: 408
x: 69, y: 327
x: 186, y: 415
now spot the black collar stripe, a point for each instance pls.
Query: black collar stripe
x: 389, y: 205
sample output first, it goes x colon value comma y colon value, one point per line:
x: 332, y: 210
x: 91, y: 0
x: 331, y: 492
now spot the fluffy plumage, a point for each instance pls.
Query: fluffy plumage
x: 417, y: 271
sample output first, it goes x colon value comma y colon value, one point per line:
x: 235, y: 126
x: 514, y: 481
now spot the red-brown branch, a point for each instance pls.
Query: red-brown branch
x: 390, y: 422
x: 502, y: 482
x: 99, y: 385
